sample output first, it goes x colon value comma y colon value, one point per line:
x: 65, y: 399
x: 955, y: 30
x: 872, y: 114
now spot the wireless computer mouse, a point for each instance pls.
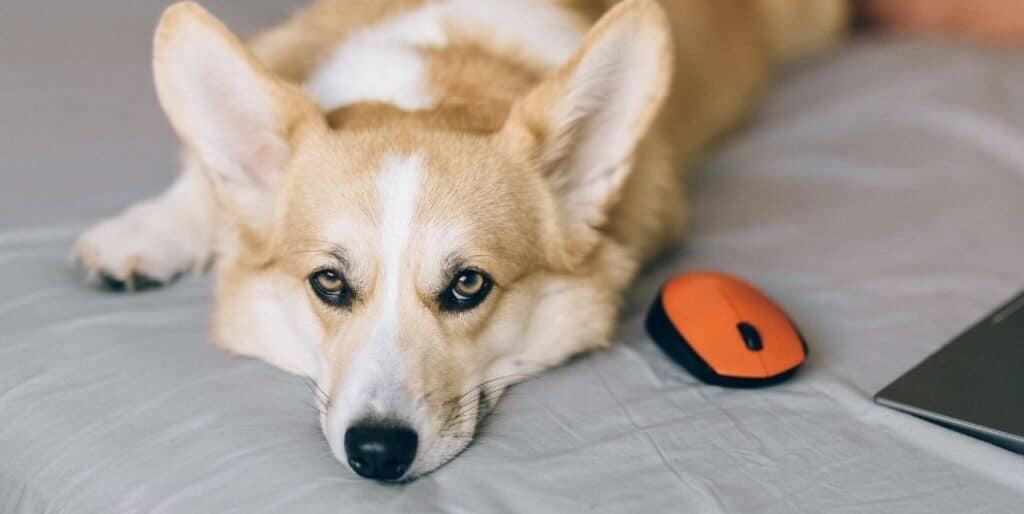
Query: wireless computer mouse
x: 725, y: 331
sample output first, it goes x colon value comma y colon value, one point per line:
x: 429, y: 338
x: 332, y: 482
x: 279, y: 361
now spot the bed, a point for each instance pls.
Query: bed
x: 876, y: 194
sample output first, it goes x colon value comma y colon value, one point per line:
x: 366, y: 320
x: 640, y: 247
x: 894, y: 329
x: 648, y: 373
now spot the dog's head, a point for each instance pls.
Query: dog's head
x: 414, y: 264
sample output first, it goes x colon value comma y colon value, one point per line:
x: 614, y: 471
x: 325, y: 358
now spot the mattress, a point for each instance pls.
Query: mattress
x: 876, y: 194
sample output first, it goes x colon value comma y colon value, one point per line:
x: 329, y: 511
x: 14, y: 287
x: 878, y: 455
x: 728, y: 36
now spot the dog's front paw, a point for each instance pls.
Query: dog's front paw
x: 147, y: 246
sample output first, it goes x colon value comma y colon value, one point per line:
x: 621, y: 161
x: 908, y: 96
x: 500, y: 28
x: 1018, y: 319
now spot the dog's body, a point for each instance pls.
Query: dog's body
x: 455, y: 198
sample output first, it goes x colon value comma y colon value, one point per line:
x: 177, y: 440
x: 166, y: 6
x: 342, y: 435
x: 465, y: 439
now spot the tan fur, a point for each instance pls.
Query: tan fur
x: 501, y: 155
x: 725, y: 51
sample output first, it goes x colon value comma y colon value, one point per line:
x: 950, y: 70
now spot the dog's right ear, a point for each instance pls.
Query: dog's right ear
x: 237, y: 116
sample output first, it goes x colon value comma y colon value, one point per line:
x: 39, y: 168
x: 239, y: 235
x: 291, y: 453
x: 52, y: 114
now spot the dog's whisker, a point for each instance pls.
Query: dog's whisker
x: 480, y: 394
x: 322, y: 397
x: 484, y: 406
x: 315, y: 407
x: 511, y: 378
x: 460, y: 418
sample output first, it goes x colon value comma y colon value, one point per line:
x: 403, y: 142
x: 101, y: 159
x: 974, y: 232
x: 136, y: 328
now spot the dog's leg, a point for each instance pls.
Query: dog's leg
x: 154, y: 241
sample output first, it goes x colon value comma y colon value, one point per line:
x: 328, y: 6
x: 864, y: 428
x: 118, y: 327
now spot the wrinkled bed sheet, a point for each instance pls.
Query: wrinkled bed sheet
x: 877, y: 195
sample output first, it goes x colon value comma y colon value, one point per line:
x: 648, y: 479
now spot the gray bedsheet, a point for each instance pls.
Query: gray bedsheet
x: 877, y: 195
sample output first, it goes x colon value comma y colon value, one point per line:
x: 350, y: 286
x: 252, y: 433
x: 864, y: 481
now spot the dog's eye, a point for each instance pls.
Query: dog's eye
x: 469, y: 287
x: 331, y: 287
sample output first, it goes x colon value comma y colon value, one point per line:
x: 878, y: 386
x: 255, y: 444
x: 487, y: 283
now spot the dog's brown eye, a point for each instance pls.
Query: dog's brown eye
x: 469, y: 287
x: 329, y: 281
x: 331, y: 287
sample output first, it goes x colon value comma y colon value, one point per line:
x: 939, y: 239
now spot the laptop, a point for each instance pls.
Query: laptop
x: 974, y: 384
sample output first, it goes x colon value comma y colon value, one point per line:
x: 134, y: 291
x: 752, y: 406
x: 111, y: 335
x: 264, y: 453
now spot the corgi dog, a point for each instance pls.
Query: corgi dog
x: 417, y: 203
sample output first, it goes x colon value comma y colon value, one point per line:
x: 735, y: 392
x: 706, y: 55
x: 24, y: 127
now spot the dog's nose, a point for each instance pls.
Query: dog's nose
x: 380, y: 451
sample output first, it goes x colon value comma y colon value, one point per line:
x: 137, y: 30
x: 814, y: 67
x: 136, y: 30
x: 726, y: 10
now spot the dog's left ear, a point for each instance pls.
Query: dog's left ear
x: 583, y: 124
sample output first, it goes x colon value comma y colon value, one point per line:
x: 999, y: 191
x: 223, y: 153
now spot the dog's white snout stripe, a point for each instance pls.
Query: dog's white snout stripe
x: 375, y: 383
x: 397, y: 191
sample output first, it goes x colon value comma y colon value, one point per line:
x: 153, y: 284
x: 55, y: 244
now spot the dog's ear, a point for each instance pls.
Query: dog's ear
x: 582, y: 125
x: 238, y: 117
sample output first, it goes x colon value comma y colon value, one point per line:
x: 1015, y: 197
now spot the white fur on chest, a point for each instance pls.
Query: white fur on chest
x: 384, y: 62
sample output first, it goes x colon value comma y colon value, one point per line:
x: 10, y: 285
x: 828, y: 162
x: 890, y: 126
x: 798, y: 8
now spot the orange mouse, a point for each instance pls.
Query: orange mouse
x: 725, y: 331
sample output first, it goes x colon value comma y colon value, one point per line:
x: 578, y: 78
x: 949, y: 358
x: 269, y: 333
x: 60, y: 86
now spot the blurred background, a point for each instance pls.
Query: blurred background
x: 75, y: 84
x: 76, y: 79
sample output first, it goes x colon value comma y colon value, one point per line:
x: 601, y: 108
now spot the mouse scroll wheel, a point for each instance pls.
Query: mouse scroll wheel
x: 750, y: 336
